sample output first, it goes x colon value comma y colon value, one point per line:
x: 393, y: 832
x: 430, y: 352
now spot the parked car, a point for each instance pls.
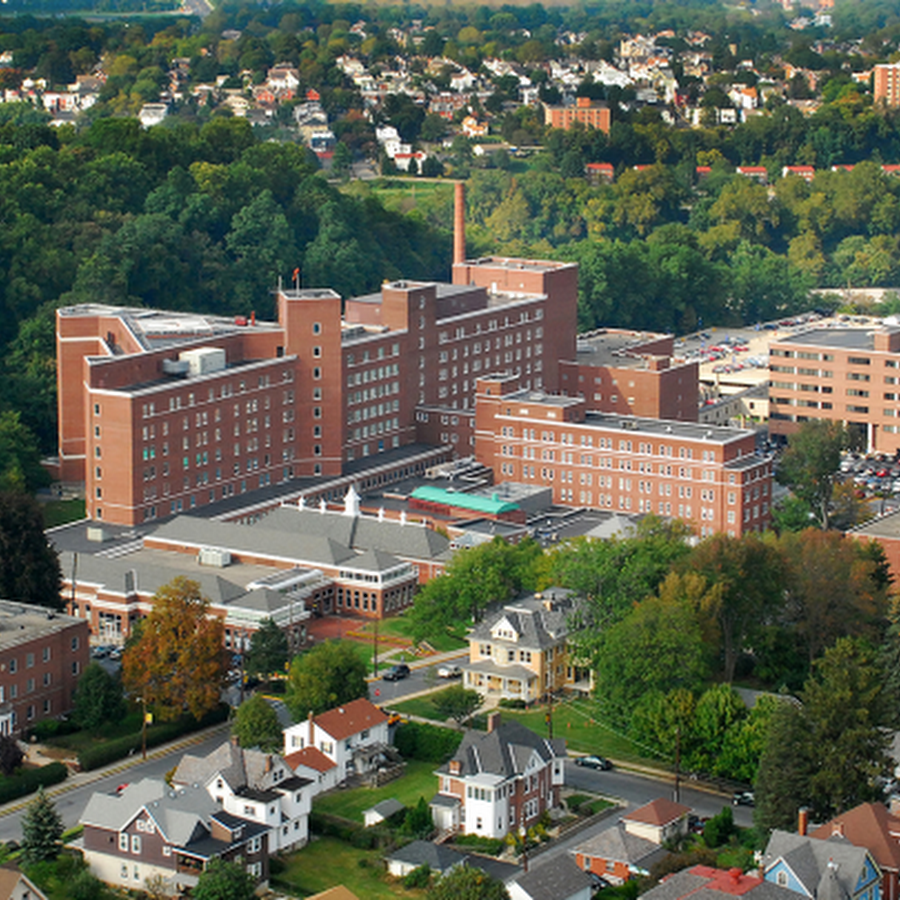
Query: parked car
x: 449, y: 671
x: 743, y: 798
x: 593, y: 762
x: 396, y: 673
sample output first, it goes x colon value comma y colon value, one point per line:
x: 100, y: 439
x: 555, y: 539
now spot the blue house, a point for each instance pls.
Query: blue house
x: 830, y: 869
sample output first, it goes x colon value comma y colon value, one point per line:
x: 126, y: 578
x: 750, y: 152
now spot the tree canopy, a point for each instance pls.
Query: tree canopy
x: 256, y: 725
x: 176, y: 664
x: 29, y: 566
x: 330, y: 674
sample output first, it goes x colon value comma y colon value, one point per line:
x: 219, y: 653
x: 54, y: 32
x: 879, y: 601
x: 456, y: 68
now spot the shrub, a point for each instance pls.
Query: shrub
x: 719, y: 829
x: 513, y: 703
x: 418, y: 878
x: 429, y: 743
x: 490, y: 846
x: 28, y: 780
x: 101, y: 754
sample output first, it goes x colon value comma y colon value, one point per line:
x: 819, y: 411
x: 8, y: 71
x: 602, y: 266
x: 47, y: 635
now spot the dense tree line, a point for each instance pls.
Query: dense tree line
x: 191, y: 218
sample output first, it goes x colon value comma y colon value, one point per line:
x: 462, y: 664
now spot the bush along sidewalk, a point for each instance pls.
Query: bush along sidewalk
x: 98, y: 755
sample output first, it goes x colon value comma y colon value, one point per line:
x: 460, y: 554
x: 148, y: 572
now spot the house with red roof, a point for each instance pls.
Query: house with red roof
x: 759, y: 173
x: 807, y: 173
x: 709, y: 883
x: 871, y: 826
x: 659, y: 821
x: 353, y: 737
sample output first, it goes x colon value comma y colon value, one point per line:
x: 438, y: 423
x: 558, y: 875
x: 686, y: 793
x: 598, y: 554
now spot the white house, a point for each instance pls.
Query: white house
x: 354, y: 737
x: 257, y: 786
x: 498, y: 782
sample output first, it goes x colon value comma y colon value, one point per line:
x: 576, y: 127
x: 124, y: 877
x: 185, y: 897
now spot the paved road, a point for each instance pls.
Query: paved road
x: 71, y: 801
x: 634, y: 790
x: 421, y: 679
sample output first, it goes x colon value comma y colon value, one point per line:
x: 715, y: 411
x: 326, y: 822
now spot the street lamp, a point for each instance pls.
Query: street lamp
x: 523, y: 833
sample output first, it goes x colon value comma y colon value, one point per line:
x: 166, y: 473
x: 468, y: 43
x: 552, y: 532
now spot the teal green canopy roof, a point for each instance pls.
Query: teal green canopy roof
x: 491, y: 505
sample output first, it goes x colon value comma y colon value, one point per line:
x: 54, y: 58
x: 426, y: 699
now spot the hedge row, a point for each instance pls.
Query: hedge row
x: 28, y: 780
x: 428, y: 743
x: 102, y: 754
x: 326, y: 825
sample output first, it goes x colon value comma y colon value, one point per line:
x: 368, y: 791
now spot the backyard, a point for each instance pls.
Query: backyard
x: 325, y: 862
x: 418, y: 781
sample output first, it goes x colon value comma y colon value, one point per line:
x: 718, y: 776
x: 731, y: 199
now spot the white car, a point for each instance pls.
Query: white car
x: 449, y: 671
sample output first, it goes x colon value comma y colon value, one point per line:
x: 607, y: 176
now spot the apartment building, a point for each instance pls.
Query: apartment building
x: 886, y: 84
x: 42, y: 655
x: 633, y: 373
x: 587, y: 112
x: 708, y: 476
x: 847, y: 375
x: 164, y: 412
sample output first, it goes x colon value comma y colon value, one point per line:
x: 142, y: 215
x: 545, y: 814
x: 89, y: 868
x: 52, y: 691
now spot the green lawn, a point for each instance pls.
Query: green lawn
x: 419, y: 781
x: 401, y: 627
x: 325, y: 862
x: 573, y: 720
x: 79, y: 740
x: 58, y: 512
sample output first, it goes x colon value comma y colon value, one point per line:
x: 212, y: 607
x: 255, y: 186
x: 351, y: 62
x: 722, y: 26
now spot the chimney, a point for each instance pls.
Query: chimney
x: 493, y: 720
x: 802, y: 821
x: 459, y: 223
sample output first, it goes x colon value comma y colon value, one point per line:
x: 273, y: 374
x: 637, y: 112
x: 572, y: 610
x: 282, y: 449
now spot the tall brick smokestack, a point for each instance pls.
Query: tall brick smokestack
x: 459, y: 223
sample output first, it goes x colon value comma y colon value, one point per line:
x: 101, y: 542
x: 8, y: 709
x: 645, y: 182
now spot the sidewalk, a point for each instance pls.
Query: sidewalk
x: 80, y: 779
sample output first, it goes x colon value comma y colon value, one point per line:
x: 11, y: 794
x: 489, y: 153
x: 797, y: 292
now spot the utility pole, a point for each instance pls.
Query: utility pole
x: 375, y: 650
x: 678, y: 763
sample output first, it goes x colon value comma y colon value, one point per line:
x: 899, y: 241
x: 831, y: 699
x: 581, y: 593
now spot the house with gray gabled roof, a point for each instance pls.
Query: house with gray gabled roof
x: 520, y: 650
x: 832, y: 869
x: 256, y: 785
x: 618, y: 855
x: 498, y: 781
x: 437, y: 857
x: 149, y: 829
x: 557, y: 879
x: 381, y: 811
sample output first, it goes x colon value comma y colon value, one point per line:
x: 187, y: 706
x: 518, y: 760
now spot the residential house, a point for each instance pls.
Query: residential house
x: 871, y: 826
x: 832, y: 868
x: 557, y: 879
x: 149, y: 829
x: 256, y: 785
x: 520, y: 650
x: 153, y: 114
x: 498, y: 781
x: 618, y: 855
x: 437, y: 857
x: 312, y: 763
x: 706, y: 882
x: 807, y: 173
x: 354, y: 737
x: 600, y: 173
x: 16, y: 886
x: 660, y: 821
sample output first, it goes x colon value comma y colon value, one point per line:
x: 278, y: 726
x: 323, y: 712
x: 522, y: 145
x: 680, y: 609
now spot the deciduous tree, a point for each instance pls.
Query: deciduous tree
x: 222, y: 880
x: 177, y: 662
x: 810, y: 465
x: 457, y: 703
x: 466, y: 883
x: 326, y: 676
x: 256, y: 725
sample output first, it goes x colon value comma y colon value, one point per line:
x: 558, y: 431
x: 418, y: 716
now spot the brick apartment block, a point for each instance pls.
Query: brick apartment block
x: 704, y: 474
